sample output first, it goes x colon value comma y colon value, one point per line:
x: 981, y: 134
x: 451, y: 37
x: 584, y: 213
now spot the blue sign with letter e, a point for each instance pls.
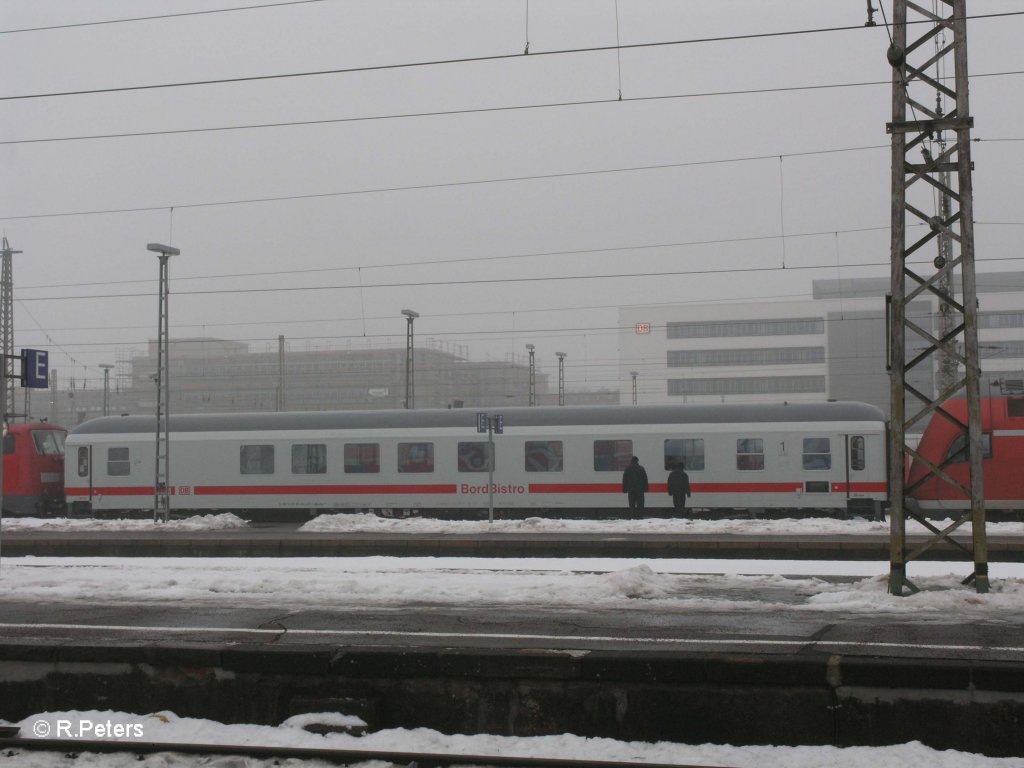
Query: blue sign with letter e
x: 35, y: 368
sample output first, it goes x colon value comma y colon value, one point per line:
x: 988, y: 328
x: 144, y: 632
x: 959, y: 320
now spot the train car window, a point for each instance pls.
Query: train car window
x: 1015, y: 407
x: 858, y: 453
x: 362, y: 458
x: 118, y: 462
x: 957, y: 452
x: 256, y: 460
x: 689, y: 450
x: 83, y: 461
x: 46, y: 442
x: 817, y: 453
x: 309, y: 459
x: 612, y: 455
x: 750, y: 453
x: 9, y: 441
x: 544, y: 455
x: 415, y: 457
x: 473, y: 457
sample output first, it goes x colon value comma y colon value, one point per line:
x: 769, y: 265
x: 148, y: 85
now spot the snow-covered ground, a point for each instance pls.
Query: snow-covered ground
x: 575, y: 583
x: 592, y: 583
x: 367, y: 523
x: 167, y: 727
x: 221, y: 522
x: 393, y: 581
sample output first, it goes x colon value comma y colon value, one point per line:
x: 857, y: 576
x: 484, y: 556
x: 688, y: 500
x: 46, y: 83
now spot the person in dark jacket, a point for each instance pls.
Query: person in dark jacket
x: 634, y: 484
x: 679, y: 486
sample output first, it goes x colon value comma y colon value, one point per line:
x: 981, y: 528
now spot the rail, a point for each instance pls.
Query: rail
x: 334, y: 756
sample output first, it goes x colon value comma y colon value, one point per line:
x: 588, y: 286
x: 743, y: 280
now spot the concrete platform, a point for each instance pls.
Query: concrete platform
x: 289, y: 543
x: 796, y: 698
x: 712, y: 667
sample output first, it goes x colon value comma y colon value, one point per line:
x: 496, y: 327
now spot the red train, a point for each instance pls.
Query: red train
x: 34, y: 469
x: 1002, y: 426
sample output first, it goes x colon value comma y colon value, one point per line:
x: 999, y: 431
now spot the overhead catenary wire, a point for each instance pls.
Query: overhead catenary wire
x: 478, y: 281
x: 156, y: 17
x: 550, y: 334
x: 610, y: 249
x: 417, y: 187
x: 440, y: 185
x: 478, y: 259
x: 462, y: 60
x: 446, y: 315
x: 452, y: 283
x: 475, y: 111
x: 558, y: 332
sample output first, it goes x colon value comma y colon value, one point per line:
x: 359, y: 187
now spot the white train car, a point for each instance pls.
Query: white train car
x: 809, y: 457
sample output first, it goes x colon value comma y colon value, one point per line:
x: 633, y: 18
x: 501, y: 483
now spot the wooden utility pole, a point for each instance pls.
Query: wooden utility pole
x: 913, y: 277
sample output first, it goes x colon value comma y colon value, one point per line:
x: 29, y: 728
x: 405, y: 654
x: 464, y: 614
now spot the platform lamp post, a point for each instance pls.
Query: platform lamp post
x: 410, y: 368
x: 161, y: 480
x: 634, y: 375
x: 561, y: 377
x: 532, y: 399
x: 106, y: 387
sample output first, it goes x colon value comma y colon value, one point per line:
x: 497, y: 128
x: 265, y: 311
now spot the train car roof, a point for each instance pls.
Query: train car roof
x: 27, y: 426
x: 544, y: 416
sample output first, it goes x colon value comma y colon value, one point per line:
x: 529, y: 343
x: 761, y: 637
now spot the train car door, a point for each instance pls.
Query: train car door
x: 846, y: 466
x: 856, y: 477
x: 83, y: 471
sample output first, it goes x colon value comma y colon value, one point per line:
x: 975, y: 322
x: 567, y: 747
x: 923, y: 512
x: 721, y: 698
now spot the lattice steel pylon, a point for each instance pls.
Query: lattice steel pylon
x: 913, y: 178
x: 7, y: 328
x: 162, y: 453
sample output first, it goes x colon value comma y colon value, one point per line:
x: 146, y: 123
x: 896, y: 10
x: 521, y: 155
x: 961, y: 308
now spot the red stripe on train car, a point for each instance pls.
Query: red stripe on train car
x: 662, y: 488
x: 265, y: 490
x: 575, y: 488
x: 139, y: 490
x: 860, y: 487
x: 553, y: 488
x: 746, y: 487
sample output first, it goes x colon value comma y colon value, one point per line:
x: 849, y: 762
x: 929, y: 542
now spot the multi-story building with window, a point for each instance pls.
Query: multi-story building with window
x: 832, y: 345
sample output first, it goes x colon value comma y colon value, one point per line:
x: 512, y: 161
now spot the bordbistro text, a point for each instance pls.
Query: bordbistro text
x: 467, y: 489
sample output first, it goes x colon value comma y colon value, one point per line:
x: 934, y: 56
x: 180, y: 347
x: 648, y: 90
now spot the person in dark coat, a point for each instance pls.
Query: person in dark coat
x: 634, y: 484
x: 679, y: 486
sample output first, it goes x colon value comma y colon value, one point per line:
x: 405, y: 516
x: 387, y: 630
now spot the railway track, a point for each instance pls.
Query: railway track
x: 74, y: 747
x: 262, y: 543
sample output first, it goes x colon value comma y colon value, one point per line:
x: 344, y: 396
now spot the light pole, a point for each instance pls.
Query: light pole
x: 561, y: 377
x: 106, y: 387
x: 634, y: 375
x: 280, y: 374
x: 410, y: 370
x: 533, y: 381
x: 161, y: 480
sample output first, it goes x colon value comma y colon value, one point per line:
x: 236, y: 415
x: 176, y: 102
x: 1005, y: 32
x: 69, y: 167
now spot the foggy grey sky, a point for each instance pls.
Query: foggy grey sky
x: 381, y: 210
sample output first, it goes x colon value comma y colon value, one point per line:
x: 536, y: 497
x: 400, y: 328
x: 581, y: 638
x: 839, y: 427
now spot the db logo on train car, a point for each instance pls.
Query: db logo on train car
x: 184, y: 490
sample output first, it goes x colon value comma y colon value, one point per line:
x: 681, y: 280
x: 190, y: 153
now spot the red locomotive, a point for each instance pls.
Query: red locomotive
x: 944, y: 444
x: 34, y: 469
